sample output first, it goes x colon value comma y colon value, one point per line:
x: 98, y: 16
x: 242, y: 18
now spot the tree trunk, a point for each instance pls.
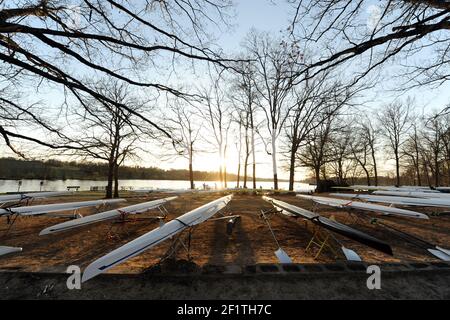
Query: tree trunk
x: 253, y: 157
x: 274, y: 160
x: 397, y: 169
x: 318, y: 184
x: 419, y: 180
x: 340, y: 173
x: 116, y: 180
x: 221, y: 166
x: 367, y: 175
x: 238, y: 175
x: 112, y: 162
x: 225, y: 176
x: 427, y: 174
x: 221, y: 176
x: 245, y: 171
x: 109, y: 187
x: 292, y: 170
x: 247, y: 155
x: 254, y: 177
x: 191, y: 171
x: 437, y: 171
x: 375, y: 169
x: 448, y: 171
x: 239, y: 157
x: 191, y: 176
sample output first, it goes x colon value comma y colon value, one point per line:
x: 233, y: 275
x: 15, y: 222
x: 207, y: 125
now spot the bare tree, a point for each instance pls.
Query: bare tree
x: 217, y: 114
x: 395, y: 120
x: 107, y: 132
x: 40, y: 41
x: 361, y: 152
x: 412, y: 149
x: 238, y: 143
x: 379, y: 32
x: 244, y: 97
x: 186, y: 125
x: 276, y: 63
x: 245, y: 121
x: 445, y: 137
x: 370, y: 133
x: 432, y: 142
x: 314, y: 99
x: 316, y: 151
x: 341, y: 160
x: 17, y: 119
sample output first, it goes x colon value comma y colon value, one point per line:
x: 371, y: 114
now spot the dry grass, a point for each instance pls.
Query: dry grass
x: 250, y: 242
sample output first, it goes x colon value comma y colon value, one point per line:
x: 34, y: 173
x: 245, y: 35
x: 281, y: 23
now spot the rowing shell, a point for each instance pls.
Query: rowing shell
x: 435, y: 250
x: 31, y: 195
x: 154, y: 237
x: 6, y: 250
x: 365, y: 206
x: 427, y: 195
x: 177, y: 191
x: 107, y: 215
x: 47, y: 208
x: 332, y: 225
x: 389, y: 188
x: 405, y: 201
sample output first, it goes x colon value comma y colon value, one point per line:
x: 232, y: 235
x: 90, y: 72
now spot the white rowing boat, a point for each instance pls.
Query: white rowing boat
x: 403, y: 201
x: 32, y: 195
x: 414, y: 194
x: 6, y: 250
x: 48, y: 208
x: 339, y: 203
x: 438, y: 252
x: 107, y: 215
x: 334, y: 226
x: 154, y: 237
x: 176, y: 191
x: 389, y: 188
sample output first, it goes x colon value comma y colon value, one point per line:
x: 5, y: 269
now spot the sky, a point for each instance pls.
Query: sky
x: 258, y: 14
x: 264, y: 15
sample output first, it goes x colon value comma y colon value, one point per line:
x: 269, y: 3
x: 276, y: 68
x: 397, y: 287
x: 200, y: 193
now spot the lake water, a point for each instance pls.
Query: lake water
x: 85, y: 185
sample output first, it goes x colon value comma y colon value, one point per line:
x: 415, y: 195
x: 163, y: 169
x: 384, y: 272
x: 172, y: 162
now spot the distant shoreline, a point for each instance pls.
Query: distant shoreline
x: 140, y: 179
x: 54, y: 170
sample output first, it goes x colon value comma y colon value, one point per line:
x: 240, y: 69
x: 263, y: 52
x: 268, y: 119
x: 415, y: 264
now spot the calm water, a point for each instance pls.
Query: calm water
x: 61, y: 185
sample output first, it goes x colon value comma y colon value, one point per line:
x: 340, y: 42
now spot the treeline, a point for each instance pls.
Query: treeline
x: 11, y: 168
x: 348, y: 148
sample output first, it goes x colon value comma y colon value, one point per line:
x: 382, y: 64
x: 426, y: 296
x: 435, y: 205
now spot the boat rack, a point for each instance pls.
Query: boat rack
x: 112, y: 234
x: 323, y: 240
x: 263, y: 215
x: 183, y: 239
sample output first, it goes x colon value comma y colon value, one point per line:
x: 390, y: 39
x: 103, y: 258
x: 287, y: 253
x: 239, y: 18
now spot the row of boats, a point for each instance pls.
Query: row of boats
x: 384, y: 200
x: 12, y: 206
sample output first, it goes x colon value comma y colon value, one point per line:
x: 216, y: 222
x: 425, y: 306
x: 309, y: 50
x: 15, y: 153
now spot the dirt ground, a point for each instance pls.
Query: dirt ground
x: 427, y: 285
x: 250, y: 242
